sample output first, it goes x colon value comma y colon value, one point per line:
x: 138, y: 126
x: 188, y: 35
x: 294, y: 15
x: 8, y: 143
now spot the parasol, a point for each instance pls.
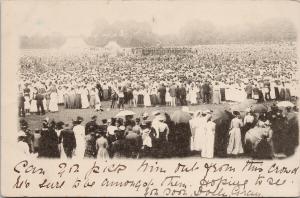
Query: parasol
x: 259, y: 108
x: 220, y: 115
x: 243, y: 105
x: 285, y: 104
x: 180, y: 116
x: 125, y: 113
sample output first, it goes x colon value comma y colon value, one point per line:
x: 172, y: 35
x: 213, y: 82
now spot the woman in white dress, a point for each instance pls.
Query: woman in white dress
x: 27, y: 103
x: 84, y: 98
x: 193, y: 123
x: 216, y: 94
x: 235, y: 140
x: 79, y: 133
x: 193, y: 94
x: 199, y: 132
x: 33, y: 105
x: 168, y: 97
x: 98, y: 102
x: 135, y: 96
x: 188, y: 100
x: 92, y: 97
x: 147, y: 101
x: 272, y: 90
x: 60, y: 94
x: 53, y: 104
x: 209, y: 137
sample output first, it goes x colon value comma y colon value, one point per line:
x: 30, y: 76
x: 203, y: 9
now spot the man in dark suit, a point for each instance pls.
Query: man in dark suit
x: 162, y: 94
x: 21, y: 105
x: 91, y: 125
x: 182, y: 92
x: 39, y: 103
x: 248, y: 90
x: 172, y: 91
x: 206, y: 90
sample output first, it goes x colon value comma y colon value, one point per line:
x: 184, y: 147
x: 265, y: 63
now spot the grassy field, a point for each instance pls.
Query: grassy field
x: 66, y: 115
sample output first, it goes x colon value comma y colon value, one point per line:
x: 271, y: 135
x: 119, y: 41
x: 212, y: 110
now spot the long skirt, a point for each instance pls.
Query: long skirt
x: 140, y: 100
x: 235, y: 142
x: 72, y: 102
x: 153, y: 99
x: 27, y: 103
x: 282, y: 94
x: 277, y: 96
x: 105, y: 94
x: 45, y: 105
x: 272, y: 93
x: 216, y: 97
x: 222, y: 92
x: 147, y: 100
x: 92, y: 101
x: 53, y: 106
x: 33, y: 106
x: 287, y: 94
x: 77, y: 101
x: 84, y: 101
x: 198, y: 140
x: 66, y: 101
x: 208, y: 145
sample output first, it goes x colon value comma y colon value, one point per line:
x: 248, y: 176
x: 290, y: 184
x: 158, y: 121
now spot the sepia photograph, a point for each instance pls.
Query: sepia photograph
x: 150, y: 98
x: 157, y: 83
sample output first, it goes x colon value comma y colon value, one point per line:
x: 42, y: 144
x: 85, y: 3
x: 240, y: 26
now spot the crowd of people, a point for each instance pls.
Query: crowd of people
x: 208, y: 74
x: 184, y: 133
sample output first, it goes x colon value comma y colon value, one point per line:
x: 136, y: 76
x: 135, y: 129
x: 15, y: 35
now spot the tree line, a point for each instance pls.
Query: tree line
x: 195, y: 32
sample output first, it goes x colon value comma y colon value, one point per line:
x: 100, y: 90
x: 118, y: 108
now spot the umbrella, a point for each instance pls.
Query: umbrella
x: 125, y: 113
x: 259, y: 108
x: 180, y: 116
x: 220, y: 115
x: 243, y: 105
x: 285, y: 104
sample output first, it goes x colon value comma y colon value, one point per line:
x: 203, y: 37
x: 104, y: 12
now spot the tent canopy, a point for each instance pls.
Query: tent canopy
x: 112, y: 48
x: 74, y: 43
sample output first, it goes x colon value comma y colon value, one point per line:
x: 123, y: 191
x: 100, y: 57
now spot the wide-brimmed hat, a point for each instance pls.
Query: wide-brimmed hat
x: 122, y: 128
x: 79, y: 119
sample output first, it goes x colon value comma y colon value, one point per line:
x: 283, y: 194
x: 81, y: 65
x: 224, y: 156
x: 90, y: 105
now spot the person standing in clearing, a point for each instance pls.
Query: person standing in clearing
x: 235, y: 146
x: 79, y: 133
x: 209, y: 137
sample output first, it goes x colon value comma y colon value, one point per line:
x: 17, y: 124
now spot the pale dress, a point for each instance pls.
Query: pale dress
x: 60, y: 94
x: 193, y: 95
x: 101, y: 146
x: 147, y: 101
x: 27, y: 103
x: 209, y: 137
x: 53, y: 107
x: 98, y: 102
x: 84, y: 99
x: 33, y: 105
x: 79, y: 133
x: 168, y: 96
x: 235, y: 140
x: 199, y: 133
x: 192, y: 123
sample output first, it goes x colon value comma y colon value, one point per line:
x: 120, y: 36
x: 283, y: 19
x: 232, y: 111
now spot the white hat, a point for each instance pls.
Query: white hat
x: 122, y: 128
x: 145, y: 115
x: 21, y: 133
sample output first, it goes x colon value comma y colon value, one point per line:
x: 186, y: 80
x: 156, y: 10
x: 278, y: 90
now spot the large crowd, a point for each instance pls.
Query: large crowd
x: 264, y: 135
x: 208, y: 74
